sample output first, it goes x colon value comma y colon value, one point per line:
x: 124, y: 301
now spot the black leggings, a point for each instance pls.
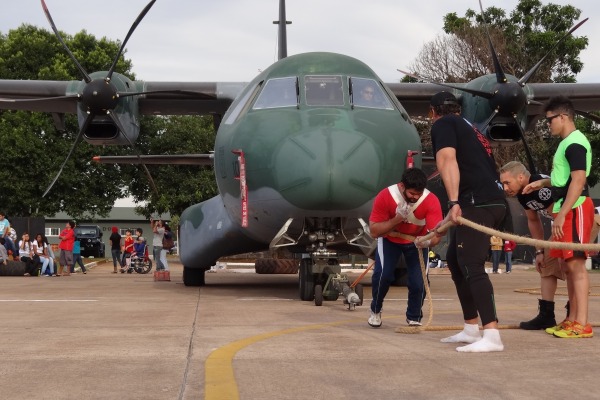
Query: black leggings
x: 467, y: 252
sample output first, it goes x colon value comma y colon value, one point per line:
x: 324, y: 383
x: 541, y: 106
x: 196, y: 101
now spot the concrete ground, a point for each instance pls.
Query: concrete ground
x: 247, y: 336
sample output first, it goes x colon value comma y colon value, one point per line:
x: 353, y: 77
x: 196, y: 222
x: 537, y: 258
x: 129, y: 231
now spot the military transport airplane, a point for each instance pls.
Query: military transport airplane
x: 300, y: 151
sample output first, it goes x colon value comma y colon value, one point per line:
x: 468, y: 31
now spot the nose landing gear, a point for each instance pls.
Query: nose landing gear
x: 338, y: 284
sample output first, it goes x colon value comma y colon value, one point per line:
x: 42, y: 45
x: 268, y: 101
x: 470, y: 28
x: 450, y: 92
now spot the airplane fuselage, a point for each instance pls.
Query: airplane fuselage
x: 317, y: 153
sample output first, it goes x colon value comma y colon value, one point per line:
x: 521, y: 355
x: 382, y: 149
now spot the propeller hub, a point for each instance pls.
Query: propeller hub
x: 509, y: 99
x: 100, y: 96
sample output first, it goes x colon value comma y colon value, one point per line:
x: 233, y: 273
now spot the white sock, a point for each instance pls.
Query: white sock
x: 490, y: 342
x: 469, y: 334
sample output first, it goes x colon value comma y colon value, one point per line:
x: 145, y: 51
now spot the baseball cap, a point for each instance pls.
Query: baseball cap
x: 442, y: 98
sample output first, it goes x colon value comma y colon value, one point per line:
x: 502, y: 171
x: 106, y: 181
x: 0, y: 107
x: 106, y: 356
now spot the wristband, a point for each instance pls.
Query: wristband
x: 538, y: 252
x: 452, y: 203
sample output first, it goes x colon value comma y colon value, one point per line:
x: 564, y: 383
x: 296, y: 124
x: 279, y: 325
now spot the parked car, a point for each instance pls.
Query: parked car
x: 90, y: 238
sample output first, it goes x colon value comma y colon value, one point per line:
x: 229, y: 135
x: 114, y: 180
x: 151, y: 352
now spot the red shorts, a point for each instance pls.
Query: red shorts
x: 577, y: 229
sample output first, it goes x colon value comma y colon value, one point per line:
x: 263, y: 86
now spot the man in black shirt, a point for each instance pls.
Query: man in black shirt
x: 464, y: 159
x: 514, y: 177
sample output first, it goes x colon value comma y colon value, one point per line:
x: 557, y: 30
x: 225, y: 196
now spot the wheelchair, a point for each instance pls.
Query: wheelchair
x: 139, y: 264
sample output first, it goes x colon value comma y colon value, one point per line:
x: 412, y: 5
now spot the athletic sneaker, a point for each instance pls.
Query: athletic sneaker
x: 563, y: 325
x: 413, y: 323
x: 576, y: 330
x: 374, y: 320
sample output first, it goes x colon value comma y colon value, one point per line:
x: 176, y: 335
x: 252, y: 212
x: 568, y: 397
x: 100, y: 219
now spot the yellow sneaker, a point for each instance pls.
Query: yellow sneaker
x: 565, y: 324
x: 576, y: 330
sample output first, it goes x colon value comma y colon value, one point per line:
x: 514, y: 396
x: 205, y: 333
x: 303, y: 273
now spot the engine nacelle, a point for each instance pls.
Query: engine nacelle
x: 101, y: 97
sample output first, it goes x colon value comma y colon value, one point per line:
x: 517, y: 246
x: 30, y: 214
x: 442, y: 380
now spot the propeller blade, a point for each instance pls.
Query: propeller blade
x: 118, y: 124
x: 87, y: 121
x: 535, y: 102
x: 532, y: 168
x: 587, y: 115
x: 486, y: 95
x: 135, y: 24
x: 500, y: 77
x: 188, y: 92
x: 533, y: 70
x: 86, y: 77
x: 2, y: 100
x: 487, y: 121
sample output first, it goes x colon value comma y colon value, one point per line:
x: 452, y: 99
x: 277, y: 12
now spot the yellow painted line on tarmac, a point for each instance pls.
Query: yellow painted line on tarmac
x: 219, y: 382
x: 219, y: 378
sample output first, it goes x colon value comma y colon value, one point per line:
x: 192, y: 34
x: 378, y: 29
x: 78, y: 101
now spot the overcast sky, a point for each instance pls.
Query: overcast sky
x: 231, y: 40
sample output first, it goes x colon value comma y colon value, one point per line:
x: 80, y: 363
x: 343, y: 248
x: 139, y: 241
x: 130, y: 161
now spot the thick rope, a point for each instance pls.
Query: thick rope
x: 489, y: 231
x: 530, y: 241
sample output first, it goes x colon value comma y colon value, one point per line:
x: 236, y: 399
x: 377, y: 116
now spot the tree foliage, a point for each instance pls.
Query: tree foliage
x: 178, y: 186
x: 520, y: 39
x: 33, y: 149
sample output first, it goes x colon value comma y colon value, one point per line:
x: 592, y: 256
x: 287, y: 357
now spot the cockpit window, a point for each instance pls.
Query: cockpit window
x: 367, y: 93
x: 278, y: 92
x: 323, y: 90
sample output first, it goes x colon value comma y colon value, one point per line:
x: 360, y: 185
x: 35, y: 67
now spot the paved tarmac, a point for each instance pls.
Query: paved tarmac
x: 247, y: 336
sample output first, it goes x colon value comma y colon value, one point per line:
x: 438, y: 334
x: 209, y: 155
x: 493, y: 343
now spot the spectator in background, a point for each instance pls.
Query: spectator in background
x: 509, y: 246
x: 115, y: 248
x: 157, y: 239
x: 9, y: 244
x: 67, y: 241
x: 164, y: 251
x: 26, y: 254
x: 51, y: 255
x: 41, y: 254
x: 77, y: 257
x: 127, y: 250
x: 3, y: 252
x: 496, y: 246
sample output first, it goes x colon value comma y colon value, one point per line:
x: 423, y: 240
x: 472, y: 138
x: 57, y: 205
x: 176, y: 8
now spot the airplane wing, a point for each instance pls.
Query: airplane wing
x: 202, y: 98
x: 157, y: 98
x: 585, y: 96
x: 162, y: 159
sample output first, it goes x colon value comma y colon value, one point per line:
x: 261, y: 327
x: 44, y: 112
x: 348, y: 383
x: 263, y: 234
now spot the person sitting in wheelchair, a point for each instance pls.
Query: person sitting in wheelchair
x: 139, y: 250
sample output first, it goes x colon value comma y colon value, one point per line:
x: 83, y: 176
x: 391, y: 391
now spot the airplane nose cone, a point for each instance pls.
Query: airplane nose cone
x: 327, y: 169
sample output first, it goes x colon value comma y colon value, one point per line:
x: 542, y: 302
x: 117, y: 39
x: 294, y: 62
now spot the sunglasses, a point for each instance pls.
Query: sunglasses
x: 550, y: 118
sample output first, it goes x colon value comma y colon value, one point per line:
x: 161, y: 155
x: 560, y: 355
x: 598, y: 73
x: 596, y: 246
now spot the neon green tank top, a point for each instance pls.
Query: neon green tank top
x: 561, y: 172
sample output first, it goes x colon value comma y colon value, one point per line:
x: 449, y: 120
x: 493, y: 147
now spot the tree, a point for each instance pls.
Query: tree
x: 33, y: 149
x: 178, y: 186
x: 523, y: 38
x: 520, y: 39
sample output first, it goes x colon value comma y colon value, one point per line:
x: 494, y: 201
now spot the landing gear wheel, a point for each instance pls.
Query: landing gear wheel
x: 193, y: 276
x: 306, y: 280
x: 276, y: 266
x: 358, y: 289
x: 318, y: 295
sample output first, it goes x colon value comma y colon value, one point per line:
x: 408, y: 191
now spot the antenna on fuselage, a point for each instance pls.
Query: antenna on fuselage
x: 282, y: 32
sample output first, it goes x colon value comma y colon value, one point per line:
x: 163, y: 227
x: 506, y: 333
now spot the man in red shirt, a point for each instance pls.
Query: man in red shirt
x: 509, y: 246
x: 67, y: 240
x: 410, y: 209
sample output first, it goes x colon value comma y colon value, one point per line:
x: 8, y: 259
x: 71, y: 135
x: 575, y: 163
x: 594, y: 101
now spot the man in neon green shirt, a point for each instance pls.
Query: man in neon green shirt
x: 573, y: 211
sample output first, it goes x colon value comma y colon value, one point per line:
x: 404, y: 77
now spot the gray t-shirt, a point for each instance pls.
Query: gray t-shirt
x: 157, y: 237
